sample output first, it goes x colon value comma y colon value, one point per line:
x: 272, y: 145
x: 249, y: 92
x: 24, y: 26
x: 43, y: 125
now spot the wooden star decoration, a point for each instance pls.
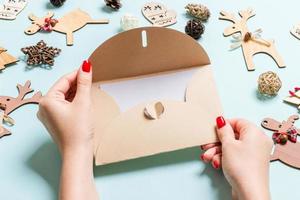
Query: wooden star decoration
x: 40, y: 54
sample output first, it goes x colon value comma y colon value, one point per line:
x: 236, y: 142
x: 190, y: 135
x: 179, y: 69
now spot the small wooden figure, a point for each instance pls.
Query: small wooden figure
x: 6, y: 59
x: 294, y: 98
x: 296, y: 31
x: 285, y: 137
x: 251, y: 43
x: 158, y: 14
x: 9, y: 104
x: 68, y: 24
x: 11, y: 8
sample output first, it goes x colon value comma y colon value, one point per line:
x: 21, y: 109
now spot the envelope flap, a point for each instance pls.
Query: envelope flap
x: 144, y: 51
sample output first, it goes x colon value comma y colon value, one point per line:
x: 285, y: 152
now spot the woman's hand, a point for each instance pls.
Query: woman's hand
x: 66, y: 113
x: 244, y: 156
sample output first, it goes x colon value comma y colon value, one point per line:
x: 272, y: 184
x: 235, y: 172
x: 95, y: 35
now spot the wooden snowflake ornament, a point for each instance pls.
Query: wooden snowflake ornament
x: 251, y: 42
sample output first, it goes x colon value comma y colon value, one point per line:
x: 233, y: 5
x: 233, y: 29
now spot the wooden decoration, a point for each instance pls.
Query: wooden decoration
x: 285, y: 136
x: 68, y: 24
x: 3, y: 131
x: 9, y: 104
x: 296, y: 31
x: 6, y: 59
x: 158, y: 14
x: 11, y: 8
x: 251, y: 43
x: 294, y: 98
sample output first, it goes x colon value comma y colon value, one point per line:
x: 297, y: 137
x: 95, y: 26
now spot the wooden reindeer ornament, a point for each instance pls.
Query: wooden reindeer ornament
x: 68, y: 24
x: 287, y: 149
x: 251, y: 43
x: 6, y: 59
x: 9, y: 104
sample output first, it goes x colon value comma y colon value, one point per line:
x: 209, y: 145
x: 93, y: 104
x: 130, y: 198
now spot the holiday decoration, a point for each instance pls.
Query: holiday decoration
x: 194, y: 28
x: 129, y: 22
x: 114, y: 4
x: 49, y: 24
x: 6, y: 59
x: 251, y: 43
x: 40, y: 54
x: 9, y: 104
x: 269, y: 83
x: 57, y: 3
x: 158, y: 14
x: 68, y: 24
x: 199, y: 11
x: 11, y: 8
x: 294, y: 97
x: 296, y: 31
x: 285, y: 137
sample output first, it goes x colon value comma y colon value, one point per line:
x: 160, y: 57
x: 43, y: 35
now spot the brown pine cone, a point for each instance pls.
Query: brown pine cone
x: 114, y: 4
x: 194, y: 28
x: 57, y: 3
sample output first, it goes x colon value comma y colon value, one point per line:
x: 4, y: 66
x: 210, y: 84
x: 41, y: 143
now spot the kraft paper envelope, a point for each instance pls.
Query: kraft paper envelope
x: 132, y: 134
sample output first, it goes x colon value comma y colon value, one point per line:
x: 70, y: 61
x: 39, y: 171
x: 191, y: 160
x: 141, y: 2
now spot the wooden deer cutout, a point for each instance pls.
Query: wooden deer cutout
x: 251, y: 44
x: 288, y: 153
x: 12, y: 103
x: 68, y: 24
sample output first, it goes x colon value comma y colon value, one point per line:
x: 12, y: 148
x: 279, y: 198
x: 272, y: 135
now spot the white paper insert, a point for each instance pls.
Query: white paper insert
x: 130, y: 93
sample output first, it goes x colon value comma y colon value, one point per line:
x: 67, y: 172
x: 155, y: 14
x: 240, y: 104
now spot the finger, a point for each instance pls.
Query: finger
x: 84, y: 82
x: 210, y: 145
x: 242, y: 127
x: 216, y: 161
x: 234, y: 195
x: 210, y: 153
x: 61, y: 87
x: 224, y: 130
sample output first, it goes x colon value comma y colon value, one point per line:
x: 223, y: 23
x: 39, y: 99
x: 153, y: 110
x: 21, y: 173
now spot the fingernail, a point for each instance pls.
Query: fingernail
x: 86, y: 66
x: 215, y: 165
x: 202, y: 157
x: 220, y: 122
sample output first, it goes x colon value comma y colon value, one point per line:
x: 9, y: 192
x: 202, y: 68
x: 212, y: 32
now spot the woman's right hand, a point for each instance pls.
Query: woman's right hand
x: 244, y: 155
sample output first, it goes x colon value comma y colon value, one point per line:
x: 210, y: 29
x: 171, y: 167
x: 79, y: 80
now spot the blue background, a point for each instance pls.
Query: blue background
x: 30, y: 163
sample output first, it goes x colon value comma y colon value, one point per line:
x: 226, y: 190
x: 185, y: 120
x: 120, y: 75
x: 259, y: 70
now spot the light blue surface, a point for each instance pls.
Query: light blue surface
x: 29, y: 161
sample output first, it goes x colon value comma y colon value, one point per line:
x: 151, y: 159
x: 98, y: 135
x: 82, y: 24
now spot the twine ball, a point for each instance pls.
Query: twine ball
x: 128, y: 22
x: 269, y: 83
x: 199, y: 11
x: 194, y: 28
x: 57, y: 3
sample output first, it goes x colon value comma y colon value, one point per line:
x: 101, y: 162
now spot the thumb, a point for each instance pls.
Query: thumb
x: 84, y: 82
x: 224, y: 130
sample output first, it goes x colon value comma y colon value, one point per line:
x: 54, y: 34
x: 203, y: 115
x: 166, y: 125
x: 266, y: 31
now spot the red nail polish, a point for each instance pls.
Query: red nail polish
x: 86, y: 66
x: 202, y: 157
x: 215, y: 165
x: 220, y: 122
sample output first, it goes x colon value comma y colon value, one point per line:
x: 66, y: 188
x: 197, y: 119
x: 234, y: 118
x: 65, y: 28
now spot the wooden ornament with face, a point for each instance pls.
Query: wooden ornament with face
x: 158, y: 14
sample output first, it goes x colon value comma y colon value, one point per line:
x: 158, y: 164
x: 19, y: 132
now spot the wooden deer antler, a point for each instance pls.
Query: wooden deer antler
x: 247, y: 14
x: 227, y: 16
x: 12, y: 103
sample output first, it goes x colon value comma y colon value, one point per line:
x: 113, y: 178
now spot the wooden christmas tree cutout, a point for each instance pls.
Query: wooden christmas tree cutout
x: 6, y: 59
x: 285, y: 135
x: 68, y: 24
x: 251, y: 43
x: 9, y: 104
